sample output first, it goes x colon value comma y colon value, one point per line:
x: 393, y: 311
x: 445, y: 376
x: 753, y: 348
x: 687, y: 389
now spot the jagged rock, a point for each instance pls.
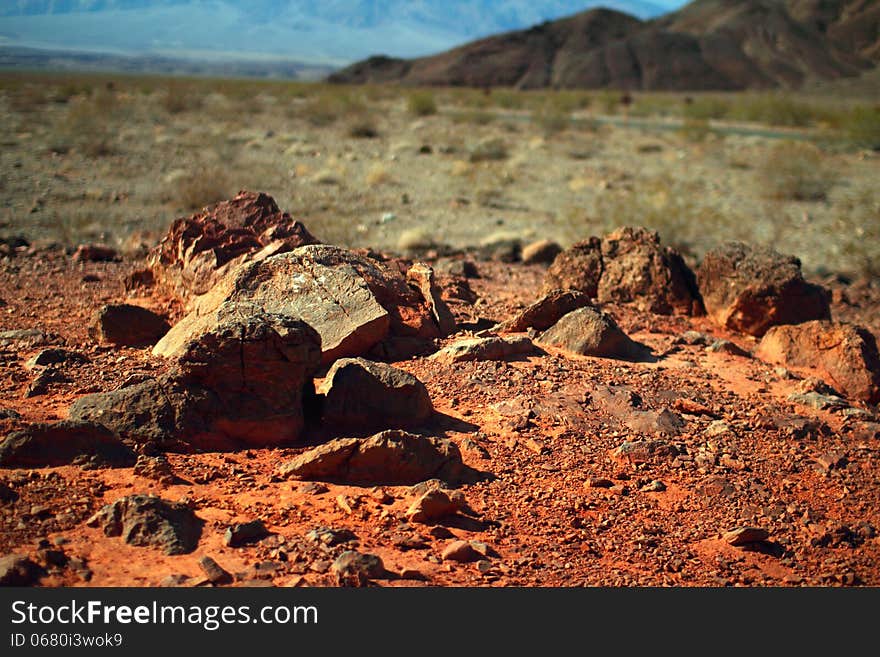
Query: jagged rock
x: 54, y: 356
x: 457, y: 267
x: 727, y: 347
x: 636, y: 269
x: 24, y: 338
x: 545, y: 312
x: 127, y: 325
x: 746, y: 535
x: 353, y: 302
x: 540, y: 252
x: 390, y: 458
x: 239, y: 381
x: 645, y: 451
x: 591, y: 332
x: 214, y: 572
x: 749, y: 289
x: 156, y: 468
x: 330, y: 537
x: 844, y: 355
x: 63, y: 443
x: 493, y: 348
x: 146, y: 520
x: 18, y: 570
x: 353, y: 567
x: 198, y: 250
x: 578, y: 267
x: 423, y: 277
x: 363, y: 395
x: 9, y: 414
x: 627, y: 266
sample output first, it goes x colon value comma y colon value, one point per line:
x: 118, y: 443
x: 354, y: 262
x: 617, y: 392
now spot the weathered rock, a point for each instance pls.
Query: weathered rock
x: 54, y: 356
x: 746, y: 535
x: 351, y: 300
x: 127, y: 325
x: 818, y: 401
x: 18, y: 570
x: 579, y: 268
x: 646, y: 451
x: 591, y: 332
x: 749, y: 289
x: 198, y: 250
x: 423, y: 277
x: 461, y: 551
x: 844, y: 355
x: 493, y: 348
x: 545, y: 312
x: 627, y: 266
x: 363, y: 395
x: 663, y: 421
x: 44, y: 378
x: 63, y: 443
x: 94, y: 253
x: 245, y: 532
x: 457, y: 267
x: 330, y: 537
x: 353, y: 567
x: 636, y: 269
x: 7, y: 494
x: 24, y: 338
x: 727, y: 347
x: 432, y: 506
x: 240, y: 381
x: 156, y: 468
x: 9, y: 414
x: 542, y: 252
x: 146, y: 520
x: 214, y: 572
x: 390, y: 457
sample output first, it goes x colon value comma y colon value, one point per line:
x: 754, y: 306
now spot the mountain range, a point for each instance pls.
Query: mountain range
x: 314, y: 31
x: 706, y: 45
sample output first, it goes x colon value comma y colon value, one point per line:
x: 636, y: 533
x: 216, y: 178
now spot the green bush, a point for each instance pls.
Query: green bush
x: 796, y: 171
x: 862, y: 127
x: 421, y: 103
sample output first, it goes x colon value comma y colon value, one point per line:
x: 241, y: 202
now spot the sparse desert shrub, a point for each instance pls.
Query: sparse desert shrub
x: 421, y: 103
x: 855, y: 228
x: 180, y: 96
x: 609, y: 101
x: 862, y: 127
x: 328, y: 107
x: 475, y: 117
x: 775, y: 109
x: 508, y: 99
x: 551, y: 118
x: 363, y: 129
x: 377, y: 175
x: 415, y: 240
x: 795, y: 171
x: 489, y: 150
x: 202, y: 186
x: 695, y: 130
x: 706, y: 108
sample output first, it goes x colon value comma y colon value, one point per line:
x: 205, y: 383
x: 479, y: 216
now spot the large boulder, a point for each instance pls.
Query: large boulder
x: 367, y: 396
x: 147, y: 520
x: 749, y: 289
x: 843, y: 355
x: 352, y: 301
x: 198, y: 250
x: 238, y: 382
x: 64, y: 443
x: 389, y: 458
x: 590, y: 332
x: 627, y: 266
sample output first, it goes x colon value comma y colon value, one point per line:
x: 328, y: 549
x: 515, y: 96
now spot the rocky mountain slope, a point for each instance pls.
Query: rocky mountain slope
x: 707, y: 45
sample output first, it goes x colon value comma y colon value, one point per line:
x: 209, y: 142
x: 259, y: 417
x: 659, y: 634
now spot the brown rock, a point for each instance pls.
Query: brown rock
x: 746, y: 535
x: 545, y: 312
x: 198, y: 250
x: 127, y: 325
x: 432, y: 506
x: 366, y: 396
x: 485, y: 349
x: 844, y: 355
x: 579, y: 268
x: 214, y: 572
x: 542, y: 252
x: 461, y: 551
x: 94, y: 253
x: 591, y: 332
x: 388, y: 458
x: 423, y: 276
x: 18, y: 570
x: 63, y: 443
x: 749, y: 289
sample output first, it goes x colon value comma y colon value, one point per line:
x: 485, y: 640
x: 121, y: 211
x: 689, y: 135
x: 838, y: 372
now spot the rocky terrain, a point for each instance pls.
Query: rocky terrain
x: 706, y: 45
x: 248, y: 405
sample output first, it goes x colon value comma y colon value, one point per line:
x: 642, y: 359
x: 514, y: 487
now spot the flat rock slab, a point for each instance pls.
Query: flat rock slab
x: 65, y: 443
x: 844, y: 355
x: 746, y: 535
x: 367, y: 396
x: 148, y: 521
x: 545, y: 312
x: 749, y: 289
x: 492, y: 348
x: 390, y: 458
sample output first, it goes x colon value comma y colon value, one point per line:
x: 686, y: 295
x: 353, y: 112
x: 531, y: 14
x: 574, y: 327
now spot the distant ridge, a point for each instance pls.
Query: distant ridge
x: 707, y: 45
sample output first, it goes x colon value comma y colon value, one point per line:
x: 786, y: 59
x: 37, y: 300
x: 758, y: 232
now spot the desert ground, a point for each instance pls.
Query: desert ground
x: 560, y: 496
